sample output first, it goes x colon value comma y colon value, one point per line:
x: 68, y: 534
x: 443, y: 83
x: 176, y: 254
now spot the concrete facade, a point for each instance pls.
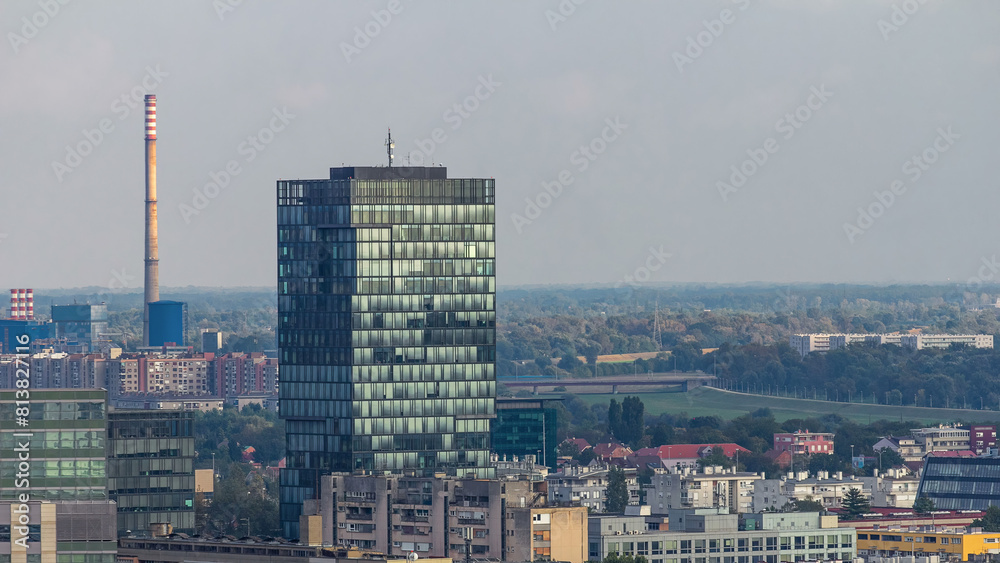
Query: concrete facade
x: 714, y: 487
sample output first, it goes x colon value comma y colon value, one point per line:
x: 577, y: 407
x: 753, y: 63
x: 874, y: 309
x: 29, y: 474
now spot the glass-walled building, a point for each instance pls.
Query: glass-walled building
x: 66, y: 446
x: 525, y: 427
x: 82, y: 324
x: 957, y: 483
x: 386, y: 325
x: 151, y: 469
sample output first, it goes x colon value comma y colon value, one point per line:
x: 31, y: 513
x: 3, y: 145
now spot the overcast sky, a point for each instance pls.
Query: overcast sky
x: 834, y: 100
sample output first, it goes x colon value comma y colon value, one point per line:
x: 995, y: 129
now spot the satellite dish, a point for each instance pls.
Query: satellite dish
x: 412, y: 556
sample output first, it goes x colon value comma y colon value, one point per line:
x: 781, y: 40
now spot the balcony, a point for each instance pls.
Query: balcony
x: 359, y: 515
x: 414, y: 518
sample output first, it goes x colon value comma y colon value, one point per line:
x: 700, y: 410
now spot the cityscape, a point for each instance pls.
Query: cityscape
x: 559, y: 281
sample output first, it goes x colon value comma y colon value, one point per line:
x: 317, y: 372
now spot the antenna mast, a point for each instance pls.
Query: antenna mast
x: 389, y: 145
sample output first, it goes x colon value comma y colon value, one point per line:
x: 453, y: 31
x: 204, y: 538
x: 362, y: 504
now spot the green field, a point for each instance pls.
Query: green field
x: 707, y: 401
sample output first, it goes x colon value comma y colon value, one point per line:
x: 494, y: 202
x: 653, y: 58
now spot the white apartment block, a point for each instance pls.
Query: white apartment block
x: 806, y: 343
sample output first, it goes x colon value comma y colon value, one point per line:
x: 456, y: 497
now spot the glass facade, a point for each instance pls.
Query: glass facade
x: 386, y: 325
x: 66, y: 446
x: 80, y: 323
x: 961, y: 483
x: 151, y: 469
x: 525, y: 427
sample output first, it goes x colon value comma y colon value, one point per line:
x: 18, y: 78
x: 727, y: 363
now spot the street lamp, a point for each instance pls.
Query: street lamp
x: 852, y: 458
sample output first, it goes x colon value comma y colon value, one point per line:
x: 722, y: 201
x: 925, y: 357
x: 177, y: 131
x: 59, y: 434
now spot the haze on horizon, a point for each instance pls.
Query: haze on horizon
x: 823, y: 105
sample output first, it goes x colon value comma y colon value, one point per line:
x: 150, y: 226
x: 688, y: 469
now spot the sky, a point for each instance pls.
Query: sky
x: 631, y: 142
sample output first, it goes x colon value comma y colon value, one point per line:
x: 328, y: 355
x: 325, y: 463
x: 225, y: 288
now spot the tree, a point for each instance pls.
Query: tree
x: 632, y: 425
x: 615, y: 419
x: 855, y: 502
x: 586, y: 456
x: 889, y: 457
x: 569, y: 362
x: 627, y: 558
x: 923, y: 505
x: 990, y: 522
x: 616, y: 495
x: 568, y: 448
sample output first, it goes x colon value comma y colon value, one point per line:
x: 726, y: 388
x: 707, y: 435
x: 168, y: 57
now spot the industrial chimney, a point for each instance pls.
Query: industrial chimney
x: 152, y: 277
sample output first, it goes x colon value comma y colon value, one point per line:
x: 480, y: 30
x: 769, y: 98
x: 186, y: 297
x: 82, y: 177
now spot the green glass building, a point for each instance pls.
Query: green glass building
x: 70, y: 517
x: 67, y: 445
x: 386, y: 325
x: 151, y: 469
x: 525, y: 427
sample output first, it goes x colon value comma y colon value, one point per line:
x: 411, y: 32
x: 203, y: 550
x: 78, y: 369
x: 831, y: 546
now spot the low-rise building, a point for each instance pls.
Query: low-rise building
x: 772, y: 494
x: 804, y: 442
x: 715, y: 535
x: 587, y: 486
x: 547, y: 534
x: 712, y: 487
x: 679, y: 456
x: 228, y: 549
x: 956, y: 544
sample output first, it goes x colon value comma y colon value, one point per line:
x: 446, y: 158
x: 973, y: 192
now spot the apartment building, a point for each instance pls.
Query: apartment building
x: 825, y: 488
x: 713, y: 487
x: 587, y: 486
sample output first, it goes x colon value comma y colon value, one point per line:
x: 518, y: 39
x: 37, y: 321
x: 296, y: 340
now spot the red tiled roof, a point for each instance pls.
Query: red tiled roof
x: 690, y: 451
x: 611, y: 450
x: 580, y: 443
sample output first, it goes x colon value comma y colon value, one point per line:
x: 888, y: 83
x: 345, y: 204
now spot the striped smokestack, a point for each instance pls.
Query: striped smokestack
x: 152, y: 273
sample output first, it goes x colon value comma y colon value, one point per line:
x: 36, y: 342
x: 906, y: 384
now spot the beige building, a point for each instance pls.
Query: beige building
x: 713, y: 487
x: 825, y: 488
x: 59, y: 531
x: 547, y: 534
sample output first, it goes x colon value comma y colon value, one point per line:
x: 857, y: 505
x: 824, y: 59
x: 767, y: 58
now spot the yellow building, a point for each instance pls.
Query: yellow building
x: 959, y: 543
x: 547, y: 534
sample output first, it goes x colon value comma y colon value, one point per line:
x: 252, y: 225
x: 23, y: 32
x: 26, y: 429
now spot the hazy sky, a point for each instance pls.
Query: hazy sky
x: 665, y: 99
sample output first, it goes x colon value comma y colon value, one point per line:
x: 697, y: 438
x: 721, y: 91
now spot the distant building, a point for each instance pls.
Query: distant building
x: 151, y: 469
x: 10, y: 329
x: 713, y: 487
x: 83, y: 324
x: 733, y: 538
x: 211, y: 341
x: 167, y: 322
x: 587, y: 486
x: 59, y: 531
x: 612, y: 451
x: 982, y: 438
x: 525, y: 427
x: 807, y: 343
x: 825, y: 488
x: 804, y: 443
x: 679, y: 456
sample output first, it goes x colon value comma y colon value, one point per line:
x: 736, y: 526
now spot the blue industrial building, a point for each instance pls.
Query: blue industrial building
x: 167, y: 322
x: 82, y: 324
x: 10, y: 329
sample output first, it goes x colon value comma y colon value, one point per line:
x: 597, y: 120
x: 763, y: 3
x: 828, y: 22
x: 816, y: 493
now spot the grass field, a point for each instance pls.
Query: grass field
x: 707, y: 401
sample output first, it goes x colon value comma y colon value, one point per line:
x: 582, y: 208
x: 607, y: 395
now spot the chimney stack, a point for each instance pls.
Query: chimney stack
x: 152, y: 262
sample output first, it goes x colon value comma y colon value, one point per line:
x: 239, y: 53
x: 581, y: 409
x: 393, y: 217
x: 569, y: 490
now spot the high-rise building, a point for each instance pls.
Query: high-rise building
x: 67, y: 445
x: 211, y: 341
x: 81, y: 323
x: 151, y: 469
x: 386, y: 325
x: 167, y: 322
x: 525, y: 427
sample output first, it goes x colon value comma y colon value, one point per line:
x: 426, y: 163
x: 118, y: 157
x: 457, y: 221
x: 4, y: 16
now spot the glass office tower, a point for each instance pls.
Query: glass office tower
x: 386, y: 325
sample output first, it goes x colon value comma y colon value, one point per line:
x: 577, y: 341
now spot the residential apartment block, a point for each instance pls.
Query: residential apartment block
x: 713, y: 487
x: 587, y: 486
x: 804, y: 442
x: 807, y: 343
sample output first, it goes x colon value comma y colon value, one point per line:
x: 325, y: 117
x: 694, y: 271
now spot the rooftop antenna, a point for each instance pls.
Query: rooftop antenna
x: 389, y: 145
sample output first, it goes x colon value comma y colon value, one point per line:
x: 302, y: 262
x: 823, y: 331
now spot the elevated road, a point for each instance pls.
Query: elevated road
x: 614, y: 384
